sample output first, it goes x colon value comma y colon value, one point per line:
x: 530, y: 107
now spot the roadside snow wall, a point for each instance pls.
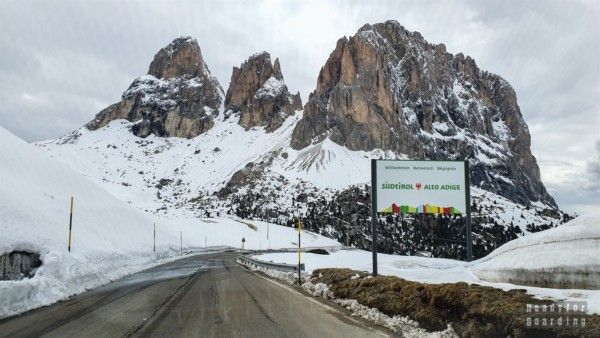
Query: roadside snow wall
x: 566, y: 257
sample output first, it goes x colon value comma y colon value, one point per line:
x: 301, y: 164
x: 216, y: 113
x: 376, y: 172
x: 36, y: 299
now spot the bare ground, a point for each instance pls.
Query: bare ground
x: 472, y: 310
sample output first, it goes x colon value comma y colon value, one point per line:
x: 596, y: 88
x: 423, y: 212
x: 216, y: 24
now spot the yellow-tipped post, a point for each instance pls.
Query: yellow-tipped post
x: 70, y: 224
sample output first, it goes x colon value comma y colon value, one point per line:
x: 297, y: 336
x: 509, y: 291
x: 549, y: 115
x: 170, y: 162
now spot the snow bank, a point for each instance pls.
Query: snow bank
x: 421, y: 269
x: 431, y: 270
x: 110, y: 238
x: 565, y: 257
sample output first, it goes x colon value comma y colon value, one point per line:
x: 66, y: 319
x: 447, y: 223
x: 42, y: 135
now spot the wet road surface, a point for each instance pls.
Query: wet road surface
x: 200, y: 296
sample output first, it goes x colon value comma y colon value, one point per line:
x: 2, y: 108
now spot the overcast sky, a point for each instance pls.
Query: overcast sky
x: 63, y: 61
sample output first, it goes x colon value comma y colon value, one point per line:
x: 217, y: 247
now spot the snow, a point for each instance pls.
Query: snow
x: 505, y: 211
x: 441, y: 126
x: 325, y: 165
x: 130, y: 167
x: 421, y: 269
x: 111, y: 238
x: 113, y: 156
x: 271, y: 87
x: 160, y: 92
x: 408, y: 327
x: 567, y: 254
x: 573, y: 247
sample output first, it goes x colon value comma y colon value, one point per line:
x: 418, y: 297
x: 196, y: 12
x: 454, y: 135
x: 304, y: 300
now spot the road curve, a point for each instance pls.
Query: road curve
x: 199, y: 296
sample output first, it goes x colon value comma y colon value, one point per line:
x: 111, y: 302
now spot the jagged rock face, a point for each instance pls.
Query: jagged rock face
x: 257, y: 91
x: 179, y: 96
x: 388, y: 88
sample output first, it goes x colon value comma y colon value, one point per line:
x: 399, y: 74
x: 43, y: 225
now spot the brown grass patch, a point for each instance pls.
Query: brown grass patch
x: 473, y: 310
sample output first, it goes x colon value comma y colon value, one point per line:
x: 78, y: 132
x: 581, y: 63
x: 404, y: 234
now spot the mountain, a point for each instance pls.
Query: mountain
x: 258, y: 93
x: 178, y: 97
x: 387, y: 88
x: 383, y: 93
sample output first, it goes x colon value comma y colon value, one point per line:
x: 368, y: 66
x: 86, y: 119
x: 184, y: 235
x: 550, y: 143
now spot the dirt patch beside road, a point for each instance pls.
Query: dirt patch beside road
x: 472, y: 310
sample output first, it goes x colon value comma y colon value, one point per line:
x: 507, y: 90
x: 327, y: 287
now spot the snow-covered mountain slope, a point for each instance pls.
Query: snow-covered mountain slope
x: 157, y: 173
x: 251, y: 173
x: 111, y: 238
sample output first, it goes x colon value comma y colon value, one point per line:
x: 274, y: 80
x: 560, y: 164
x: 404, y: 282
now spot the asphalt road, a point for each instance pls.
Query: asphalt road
x: 199, y: 296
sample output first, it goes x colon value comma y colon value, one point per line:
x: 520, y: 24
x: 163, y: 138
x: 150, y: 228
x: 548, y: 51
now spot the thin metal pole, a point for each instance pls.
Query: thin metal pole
x: 374, y: 213
x: 181, y: 243
x: 299, y: 247
x: 70, y: 224
x: 468, y: 220
x: 154, y: 244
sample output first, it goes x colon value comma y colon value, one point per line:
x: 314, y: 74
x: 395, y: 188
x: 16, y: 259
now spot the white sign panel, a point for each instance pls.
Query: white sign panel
x: 420, y: 187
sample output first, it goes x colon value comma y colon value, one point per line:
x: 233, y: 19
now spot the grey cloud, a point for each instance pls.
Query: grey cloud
x: 61, y: 62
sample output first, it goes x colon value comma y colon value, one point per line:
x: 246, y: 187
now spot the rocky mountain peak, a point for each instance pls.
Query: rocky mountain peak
x: 179, y: 96
x: 181, y: 57
x: 277, y: 69
x: 388, y: 88
x: 257, y: 92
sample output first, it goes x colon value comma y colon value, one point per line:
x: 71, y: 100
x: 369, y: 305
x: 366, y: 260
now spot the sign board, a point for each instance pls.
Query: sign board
x: 421, y: 187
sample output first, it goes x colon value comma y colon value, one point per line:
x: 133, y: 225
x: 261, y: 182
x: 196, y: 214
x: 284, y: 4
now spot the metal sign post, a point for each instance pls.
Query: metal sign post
x: 468, y: 212
x: 154, y: 244
x: 374, y: 214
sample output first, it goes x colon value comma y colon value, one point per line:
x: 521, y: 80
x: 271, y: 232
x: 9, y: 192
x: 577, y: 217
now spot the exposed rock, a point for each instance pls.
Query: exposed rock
x: 179, y: 97
x: 388, y: 88
x: 257, y: 91
x: 18, y: 265
x: 249, y: 175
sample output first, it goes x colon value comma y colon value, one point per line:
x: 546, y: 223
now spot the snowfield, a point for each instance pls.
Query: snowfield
x: 131, y: 168
x: 573, y: 248
x: 111, y: 239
